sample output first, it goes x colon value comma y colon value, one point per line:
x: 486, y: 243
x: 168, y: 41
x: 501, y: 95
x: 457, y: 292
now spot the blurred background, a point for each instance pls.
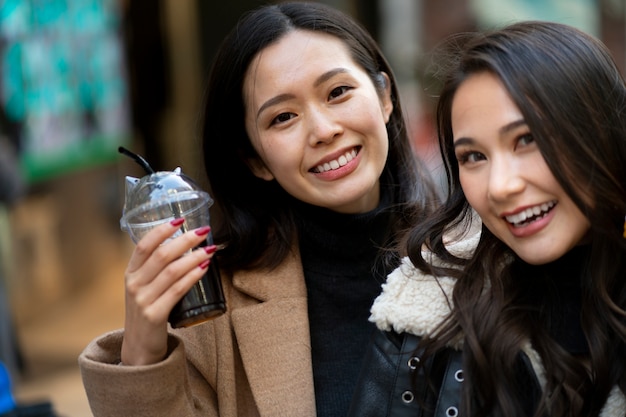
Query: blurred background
x: 79, y: 78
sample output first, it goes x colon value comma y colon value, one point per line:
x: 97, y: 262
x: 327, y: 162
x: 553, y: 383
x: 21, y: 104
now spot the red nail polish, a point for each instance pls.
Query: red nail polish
x: 177, y: 222
x: 210, y: 249
x: 205, y: 264
x: 203, y: 230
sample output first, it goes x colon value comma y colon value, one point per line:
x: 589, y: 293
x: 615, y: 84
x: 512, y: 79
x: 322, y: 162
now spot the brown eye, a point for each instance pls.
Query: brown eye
x: 470, y: 157
x: 338, y: 91
x: 526, y: 139
x: 282, y: 118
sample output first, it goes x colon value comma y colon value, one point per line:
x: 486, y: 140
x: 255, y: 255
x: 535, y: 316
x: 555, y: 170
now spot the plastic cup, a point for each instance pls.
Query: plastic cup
x: 160, y: 198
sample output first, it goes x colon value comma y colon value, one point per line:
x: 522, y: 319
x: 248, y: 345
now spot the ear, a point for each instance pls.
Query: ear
x: 258, y: 168
x: 385, y: 99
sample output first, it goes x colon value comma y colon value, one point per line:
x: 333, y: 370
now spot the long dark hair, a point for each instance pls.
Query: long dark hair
x: 573, y: 98
x: 257, y: 224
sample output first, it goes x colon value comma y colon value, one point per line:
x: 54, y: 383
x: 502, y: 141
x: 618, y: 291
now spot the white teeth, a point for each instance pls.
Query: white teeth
x: 540, y: 210
x: 336, y: 163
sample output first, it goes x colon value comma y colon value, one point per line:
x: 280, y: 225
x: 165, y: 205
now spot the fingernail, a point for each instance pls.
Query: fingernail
x: 205, y: 264
x: 203, y: 230
x: 177, y: 222
x: 210, y: 249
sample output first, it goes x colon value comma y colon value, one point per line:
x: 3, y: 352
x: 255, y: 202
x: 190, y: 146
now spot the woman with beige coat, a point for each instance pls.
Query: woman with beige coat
x: 310, y: 165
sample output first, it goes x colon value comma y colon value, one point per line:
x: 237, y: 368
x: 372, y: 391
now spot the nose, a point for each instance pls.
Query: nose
x: 324, y: 126
x: 505, y: 179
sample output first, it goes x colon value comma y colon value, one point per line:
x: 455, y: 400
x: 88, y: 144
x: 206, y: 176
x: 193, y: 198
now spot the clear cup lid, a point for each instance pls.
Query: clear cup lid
x: 160, y: 196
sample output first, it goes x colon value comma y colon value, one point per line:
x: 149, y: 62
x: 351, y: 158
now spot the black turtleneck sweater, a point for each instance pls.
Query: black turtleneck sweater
x: 565, y: 277
x: 343, y: 274
x: 557, y: 292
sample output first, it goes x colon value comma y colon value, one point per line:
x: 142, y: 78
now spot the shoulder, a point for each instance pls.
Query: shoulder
x: 414, y: 302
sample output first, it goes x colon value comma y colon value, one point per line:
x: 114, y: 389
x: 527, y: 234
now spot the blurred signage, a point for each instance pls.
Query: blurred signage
x: 63, y: 87
x: 582, y: 14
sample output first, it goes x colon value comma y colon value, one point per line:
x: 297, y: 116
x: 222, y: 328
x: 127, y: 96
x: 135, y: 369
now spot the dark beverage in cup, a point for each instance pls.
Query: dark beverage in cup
x: 204, y: 300
x: 161, y: 197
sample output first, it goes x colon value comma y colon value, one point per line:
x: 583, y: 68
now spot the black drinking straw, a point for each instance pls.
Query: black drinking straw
x: 144, y: 164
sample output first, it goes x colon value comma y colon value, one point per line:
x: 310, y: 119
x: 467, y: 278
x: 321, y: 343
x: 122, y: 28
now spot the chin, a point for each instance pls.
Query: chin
x: 540, y: 258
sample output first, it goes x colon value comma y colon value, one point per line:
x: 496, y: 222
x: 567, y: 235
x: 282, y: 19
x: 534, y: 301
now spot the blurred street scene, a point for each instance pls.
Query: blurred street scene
x: 79, y: 78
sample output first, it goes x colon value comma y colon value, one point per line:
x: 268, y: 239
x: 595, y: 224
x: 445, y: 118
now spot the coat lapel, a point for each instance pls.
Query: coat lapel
x: 273, y: 338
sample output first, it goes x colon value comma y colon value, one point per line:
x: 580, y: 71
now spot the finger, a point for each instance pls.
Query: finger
x: 164, y: 304
x: 151, y: 241
x: 171, y: 250
x: 172, y: 279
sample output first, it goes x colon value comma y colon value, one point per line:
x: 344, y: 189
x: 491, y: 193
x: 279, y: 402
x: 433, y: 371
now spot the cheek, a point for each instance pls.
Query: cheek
x: 366, y: 110
x: 278, y: 155
x: 372, y: 123
x: 475, y: 193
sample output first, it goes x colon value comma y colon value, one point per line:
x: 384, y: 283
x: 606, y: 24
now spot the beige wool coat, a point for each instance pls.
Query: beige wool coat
x: 255, y: 360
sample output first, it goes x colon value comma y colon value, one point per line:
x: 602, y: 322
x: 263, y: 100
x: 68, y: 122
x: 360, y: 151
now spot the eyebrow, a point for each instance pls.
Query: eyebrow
x: 328, y: 75
x: 272, y: 101
x: 502, y: 131
x: 284, y: 97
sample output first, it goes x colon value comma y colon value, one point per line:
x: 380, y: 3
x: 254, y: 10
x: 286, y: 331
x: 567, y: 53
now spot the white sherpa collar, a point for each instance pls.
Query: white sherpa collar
x: 414, y: 302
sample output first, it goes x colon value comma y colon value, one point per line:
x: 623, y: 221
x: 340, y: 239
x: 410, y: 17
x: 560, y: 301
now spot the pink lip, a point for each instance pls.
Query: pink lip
x: 341, y: 171
x: 532, y: 228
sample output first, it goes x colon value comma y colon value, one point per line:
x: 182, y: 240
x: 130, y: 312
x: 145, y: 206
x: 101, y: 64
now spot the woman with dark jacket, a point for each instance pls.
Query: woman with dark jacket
x: 527, y: 317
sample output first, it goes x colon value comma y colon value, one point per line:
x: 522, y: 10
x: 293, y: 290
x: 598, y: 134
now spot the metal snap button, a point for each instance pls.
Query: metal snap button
x: 413, y: 362
x: 452, y: 412
x: 458, y: 375
x: 407, y: 397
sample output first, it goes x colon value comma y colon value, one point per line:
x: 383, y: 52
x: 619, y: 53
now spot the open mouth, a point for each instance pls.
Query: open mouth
x: 531, y: 214
x: 336, y: 163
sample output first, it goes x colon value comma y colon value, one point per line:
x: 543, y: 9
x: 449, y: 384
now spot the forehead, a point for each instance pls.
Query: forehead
x: 482, y: 101
x: 295, y: 55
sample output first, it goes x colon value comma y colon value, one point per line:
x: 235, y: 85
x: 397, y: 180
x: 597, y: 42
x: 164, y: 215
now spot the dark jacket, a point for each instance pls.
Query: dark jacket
x: 390, y: 383
x: 411, y: 306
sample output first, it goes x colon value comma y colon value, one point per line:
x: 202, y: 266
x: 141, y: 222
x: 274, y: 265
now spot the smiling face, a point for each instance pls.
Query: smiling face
x: 317, y: 122
x: 505, y: 177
